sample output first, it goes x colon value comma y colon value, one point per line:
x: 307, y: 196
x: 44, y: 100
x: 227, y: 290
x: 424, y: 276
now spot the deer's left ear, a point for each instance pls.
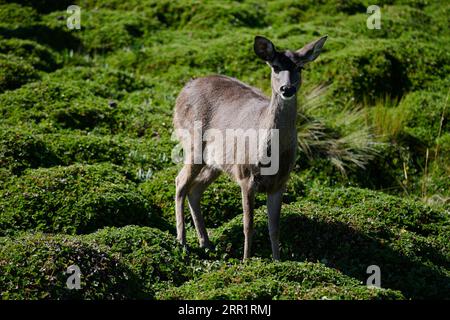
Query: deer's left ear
x: 264, y: 48
x: 309, y: 52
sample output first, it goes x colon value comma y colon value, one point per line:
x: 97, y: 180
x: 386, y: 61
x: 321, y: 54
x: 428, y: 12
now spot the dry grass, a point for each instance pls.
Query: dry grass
x: 386, y: 117
x: 346, y: 140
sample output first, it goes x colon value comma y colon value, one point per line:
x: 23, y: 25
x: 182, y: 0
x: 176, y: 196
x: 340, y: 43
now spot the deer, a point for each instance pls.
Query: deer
x: 219, y: 102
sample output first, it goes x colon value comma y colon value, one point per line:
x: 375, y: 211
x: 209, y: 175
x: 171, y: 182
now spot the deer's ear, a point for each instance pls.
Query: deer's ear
x: 264, y: 48
x: 309, y: 52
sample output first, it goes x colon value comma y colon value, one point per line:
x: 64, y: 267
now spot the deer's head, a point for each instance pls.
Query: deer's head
x: 287, y: 65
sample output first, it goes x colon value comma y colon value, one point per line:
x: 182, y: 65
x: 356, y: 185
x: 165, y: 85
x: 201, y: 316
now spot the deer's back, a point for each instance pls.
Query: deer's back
x: 219, y: 102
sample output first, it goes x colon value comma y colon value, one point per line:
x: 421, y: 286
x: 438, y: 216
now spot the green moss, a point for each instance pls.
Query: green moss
x: 258, y: 279
x: 73, y: 199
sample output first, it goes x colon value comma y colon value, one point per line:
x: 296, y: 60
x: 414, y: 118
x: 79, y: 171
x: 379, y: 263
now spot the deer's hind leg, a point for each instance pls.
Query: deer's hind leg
x: 199, y: 185
x: 248, y: 204
x: 183, y: 182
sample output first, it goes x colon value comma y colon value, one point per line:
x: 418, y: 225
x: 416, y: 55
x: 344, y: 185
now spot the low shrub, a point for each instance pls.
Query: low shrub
x: 21, y: 149
x: 72, y: 199
x: 39, y: 56
x: 34, y: 102
x: 412, y: 215
x: 14, y: 72
x: 351, y: 239
x: 44, y: 6
x: 425, y: 110
x: 25, y: 21
x: 35, y: 266
x: 84, y: 115
x: 256, y: 279
x: 95, y: 35
x: 103, y: 82
x: 154, y: 256
x: 58, y: 105
x: 13, y: 15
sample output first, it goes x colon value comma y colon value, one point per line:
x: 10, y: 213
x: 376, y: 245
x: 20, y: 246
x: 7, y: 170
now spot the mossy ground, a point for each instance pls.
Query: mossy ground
x: 86, y: 170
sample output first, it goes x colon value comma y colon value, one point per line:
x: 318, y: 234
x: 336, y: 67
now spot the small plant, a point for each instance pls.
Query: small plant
x: 143, y: 175
x: 387, y: 118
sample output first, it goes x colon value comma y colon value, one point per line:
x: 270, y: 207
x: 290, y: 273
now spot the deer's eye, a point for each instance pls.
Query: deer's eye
x: 276, y: 69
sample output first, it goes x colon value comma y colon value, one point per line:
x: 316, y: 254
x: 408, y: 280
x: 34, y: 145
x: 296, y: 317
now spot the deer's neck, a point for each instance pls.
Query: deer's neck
x: 282, y: 113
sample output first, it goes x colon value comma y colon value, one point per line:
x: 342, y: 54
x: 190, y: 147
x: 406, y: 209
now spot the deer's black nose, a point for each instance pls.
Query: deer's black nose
x: 287, y: 91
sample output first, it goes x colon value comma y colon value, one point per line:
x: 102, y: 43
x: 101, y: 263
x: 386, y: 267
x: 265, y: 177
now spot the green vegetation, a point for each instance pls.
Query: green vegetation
x: 15, y: 72
x: 153, y: 255
x: 34, y: 267
x: 258, y: 279
x: 72, y: 199
x: 350, y: 229
x: 86, y: 170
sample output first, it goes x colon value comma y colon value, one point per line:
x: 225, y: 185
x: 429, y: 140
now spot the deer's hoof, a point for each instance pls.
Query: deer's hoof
x: 209, y: 248
x: 205, y: 244
x: 186, y: 249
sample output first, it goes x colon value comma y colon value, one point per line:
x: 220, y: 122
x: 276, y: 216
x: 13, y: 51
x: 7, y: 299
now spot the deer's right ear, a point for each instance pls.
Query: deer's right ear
x: 264, y: 48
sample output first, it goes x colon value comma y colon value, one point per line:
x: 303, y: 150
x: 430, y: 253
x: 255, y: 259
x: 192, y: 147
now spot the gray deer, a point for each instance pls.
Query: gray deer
x: 220, y: 103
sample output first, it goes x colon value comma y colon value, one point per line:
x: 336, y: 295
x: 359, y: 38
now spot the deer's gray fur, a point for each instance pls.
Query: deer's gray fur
x: 221, y: 103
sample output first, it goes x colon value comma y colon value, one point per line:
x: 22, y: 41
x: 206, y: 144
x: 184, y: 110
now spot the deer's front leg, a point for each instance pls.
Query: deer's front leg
x: 248, y: 200
x: 273, y: 212
x: 182, y: 182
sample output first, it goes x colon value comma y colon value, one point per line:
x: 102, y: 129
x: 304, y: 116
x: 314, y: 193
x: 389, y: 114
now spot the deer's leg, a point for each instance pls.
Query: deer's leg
x: 273, y: 212
x: 248, y: 200
x: 182, y: 182
x: 203, y: 180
